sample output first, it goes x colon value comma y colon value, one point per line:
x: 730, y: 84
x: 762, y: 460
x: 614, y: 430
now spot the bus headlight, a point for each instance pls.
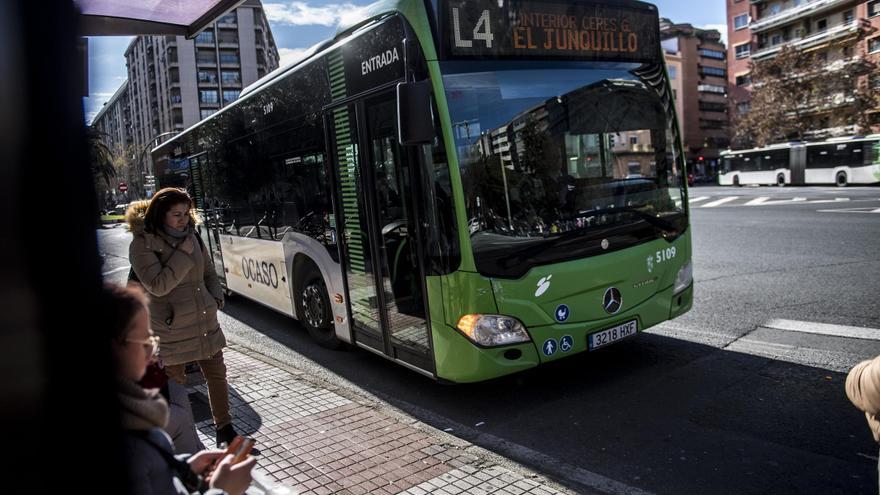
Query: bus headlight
x: 684, y: 278
x: 493, y: 330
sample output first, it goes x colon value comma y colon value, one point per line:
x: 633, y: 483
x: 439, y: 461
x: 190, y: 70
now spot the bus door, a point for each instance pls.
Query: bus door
x: 377, y: 190
x: 209, y: 230
x: 798, y: 164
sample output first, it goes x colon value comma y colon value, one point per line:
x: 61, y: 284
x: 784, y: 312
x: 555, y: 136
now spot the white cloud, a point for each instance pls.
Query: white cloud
x: 290, y: 55
x: 302, y: 14
x: 721, y: 28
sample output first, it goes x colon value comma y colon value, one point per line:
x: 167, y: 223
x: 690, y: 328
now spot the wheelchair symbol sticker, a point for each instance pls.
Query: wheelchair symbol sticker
x: 566, y: 343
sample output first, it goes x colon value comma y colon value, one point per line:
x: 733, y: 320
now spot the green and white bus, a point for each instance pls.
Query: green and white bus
x: 468, y: 188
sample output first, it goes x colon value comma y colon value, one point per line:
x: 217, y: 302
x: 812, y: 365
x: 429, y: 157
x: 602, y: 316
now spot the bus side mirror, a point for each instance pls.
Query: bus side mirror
x: 415, y: 122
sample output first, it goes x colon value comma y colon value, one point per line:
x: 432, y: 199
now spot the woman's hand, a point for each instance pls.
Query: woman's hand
x: 234, y: 478
x: 201, y: 462
x: 187, y: 245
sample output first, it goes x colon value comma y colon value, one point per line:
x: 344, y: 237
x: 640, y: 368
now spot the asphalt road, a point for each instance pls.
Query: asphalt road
x: 744, y: 394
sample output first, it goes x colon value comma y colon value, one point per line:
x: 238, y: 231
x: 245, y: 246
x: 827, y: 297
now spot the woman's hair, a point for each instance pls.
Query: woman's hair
x: 163, y: 201
x: 122, y: 304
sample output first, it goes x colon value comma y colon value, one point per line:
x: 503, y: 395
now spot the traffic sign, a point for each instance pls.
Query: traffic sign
x: 123, y: 187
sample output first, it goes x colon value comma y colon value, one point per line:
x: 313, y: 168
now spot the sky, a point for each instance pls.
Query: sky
x: 299, y: 24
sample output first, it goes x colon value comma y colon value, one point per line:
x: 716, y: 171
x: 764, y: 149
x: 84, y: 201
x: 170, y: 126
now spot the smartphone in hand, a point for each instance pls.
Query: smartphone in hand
x: 244, y: 449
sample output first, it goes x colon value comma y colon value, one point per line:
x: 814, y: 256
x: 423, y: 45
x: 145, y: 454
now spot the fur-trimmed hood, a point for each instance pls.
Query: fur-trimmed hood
x: 137, y: 211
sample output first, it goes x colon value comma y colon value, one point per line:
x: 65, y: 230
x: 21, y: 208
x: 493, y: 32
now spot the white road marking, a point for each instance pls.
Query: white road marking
x: 852, y: 210
x: 835, y: 200
x: 757, y: 201
x: 697, y: 200
x: 824, y: 329
x: 720, y: 202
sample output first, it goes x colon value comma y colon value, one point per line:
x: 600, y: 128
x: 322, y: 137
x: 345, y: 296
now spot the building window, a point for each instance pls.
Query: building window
x: 713, y: 71
x: 874, y: 45
x: 743, y: 51
x: 743, y: 80
x: 873, y: 8
x: 848, y: 17
x: 673, y: 72
x: 230, y: 77
x: 776, y: 39
x: 228, y: 37
x: 716, y: 54
x: 205, y: 37
x: 229, y: 57
x: 208, y: 77
x: 207, y: 112
x: 229, y: 18
x: 741, y: 21
x: 205, y: 57
x: 821, y: 25
x: 208, y: 96
x: 633, y: 140
x: 230, y: 95
x: 711, y: 88
x: 774, y: 9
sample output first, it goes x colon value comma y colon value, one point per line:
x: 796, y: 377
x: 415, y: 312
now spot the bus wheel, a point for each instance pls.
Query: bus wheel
x: 736, y: 181
x: 841, y: 179
x: 780, y: 180
x: 313, y: 308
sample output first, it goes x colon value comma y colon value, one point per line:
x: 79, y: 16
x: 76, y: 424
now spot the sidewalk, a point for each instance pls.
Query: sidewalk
x: 320, y: 439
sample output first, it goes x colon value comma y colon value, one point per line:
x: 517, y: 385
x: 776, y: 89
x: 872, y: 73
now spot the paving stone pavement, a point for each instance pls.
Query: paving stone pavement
x: 318, y: 439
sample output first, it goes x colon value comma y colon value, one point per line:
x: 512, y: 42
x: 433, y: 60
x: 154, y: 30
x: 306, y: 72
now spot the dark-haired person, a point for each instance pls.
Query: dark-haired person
x: 175, y: 268
x: 152, y: 467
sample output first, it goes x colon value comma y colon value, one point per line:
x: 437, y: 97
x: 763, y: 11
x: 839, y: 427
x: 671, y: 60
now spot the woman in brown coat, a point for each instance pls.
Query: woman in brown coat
x: 174, y: 266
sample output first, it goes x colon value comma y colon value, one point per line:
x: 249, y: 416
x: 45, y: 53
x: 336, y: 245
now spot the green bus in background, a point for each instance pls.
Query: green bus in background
x: 468, y: 188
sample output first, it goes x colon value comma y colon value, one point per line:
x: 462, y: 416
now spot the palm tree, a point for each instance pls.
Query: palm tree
x: 100, y: 158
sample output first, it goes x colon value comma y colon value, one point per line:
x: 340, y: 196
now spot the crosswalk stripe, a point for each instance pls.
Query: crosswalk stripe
x: 697, y: 200
x: 720, y: 202
x: 757, y: 201
x: 824, y: 329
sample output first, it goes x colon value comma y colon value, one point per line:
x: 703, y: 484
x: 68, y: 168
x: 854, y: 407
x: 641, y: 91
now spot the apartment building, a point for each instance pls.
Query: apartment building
x: 697, y: 64
x: 834, y: 29
x: 113, y: 121
x: 173, y: 82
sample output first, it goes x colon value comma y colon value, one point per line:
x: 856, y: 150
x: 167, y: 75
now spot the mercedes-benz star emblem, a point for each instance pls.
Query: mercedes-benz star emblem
x: 612, y: 301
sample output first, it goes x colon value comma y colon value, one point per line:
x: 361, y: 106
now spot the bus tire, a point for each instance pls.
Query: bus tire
x: 780, y: 180
x: 736, y: 181
x: 841, y: 180
x: 313, y: 307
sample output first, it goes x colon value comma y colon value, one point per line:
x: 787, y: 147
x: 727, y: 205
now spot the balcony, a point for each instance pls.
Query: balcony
x: 813, y: 40
x: 790, y: 15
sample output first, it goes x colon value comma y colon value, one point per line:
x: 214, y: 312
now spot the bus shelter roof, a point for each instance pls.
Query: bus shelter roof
x: 175, y: 17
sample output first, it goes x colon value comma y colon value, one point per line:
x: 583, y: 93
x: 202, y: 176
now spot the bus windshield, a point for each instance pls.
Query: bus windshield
x: 561, y: 152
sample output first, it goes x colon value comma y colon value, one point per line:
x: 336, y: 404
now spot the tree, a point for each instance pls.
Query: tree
x: 797, y: 92
x: 100, y: 158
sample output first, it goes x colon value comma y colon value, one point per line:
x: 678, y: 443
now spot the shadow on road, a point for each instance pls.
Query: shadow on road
x: 657, y: 413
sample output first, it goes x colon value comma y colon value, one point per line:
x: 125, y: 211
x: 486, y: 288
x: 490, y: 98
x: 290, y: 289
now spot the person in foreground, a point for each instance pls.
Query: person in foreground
x: 863, y: 390
x: 153, y: 467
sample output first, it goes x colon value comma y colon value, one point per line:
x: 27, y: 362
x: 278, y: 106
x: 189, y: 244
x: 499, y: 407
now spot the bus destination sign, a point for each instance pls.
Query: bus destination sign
x: 624, y: 31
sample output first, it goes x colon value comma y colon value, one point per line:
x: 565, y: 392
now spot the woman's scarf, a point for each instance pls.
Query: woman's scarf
x: 141, y: 409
